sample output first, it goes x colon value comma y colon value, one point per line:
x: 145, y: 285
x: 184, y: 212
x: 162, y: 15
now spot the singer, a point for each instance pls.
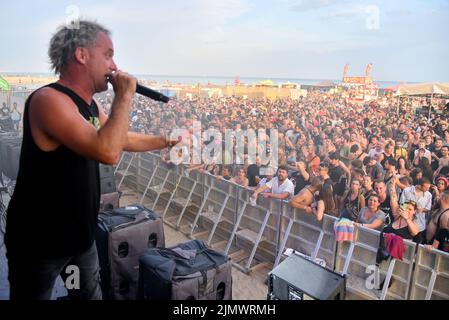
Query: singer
x: 52, y: 215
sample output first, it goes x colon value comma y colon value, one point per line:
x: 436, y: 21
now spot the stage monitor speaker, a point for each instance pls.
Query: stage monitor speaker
x: 298, y: 278
x: 12, y: 165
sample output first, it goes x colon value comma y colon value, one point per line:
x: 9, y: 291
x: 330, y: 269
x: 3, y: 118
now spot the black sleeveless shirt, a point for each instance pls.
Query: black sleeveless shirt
x: 53, y: 211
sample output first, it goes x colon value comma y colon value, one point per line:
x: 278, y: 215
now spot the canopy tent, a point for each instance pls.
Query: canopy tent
x: 430, y: 89
x: 424, y: 89
x: 4, y: 85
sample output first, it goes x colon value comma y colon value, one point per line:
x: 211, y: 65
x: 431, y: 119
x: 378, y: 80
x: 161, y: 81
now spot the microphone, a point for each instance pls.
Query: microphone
x: 152, y: 94
x: 149, y: 93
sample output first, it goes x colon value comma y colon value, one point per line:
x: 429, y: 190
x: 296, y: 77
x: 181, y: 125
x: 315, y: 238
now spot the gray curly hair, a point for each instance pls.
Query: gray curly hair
x: 65, y: 41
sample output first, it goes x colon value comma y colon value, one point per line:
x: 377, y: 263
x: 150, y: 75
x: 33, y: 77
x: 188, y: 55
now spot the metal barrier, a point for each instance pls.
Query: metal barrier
x: 256, y: 236
x: 357, y: 260
x: 308, y: 236
x: 431, y: 278
x: 250, y: 228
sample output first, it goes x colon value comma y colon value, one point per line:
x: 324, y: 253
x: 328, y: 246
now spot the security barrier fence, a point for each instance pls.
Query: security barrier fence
x: 260, y: 236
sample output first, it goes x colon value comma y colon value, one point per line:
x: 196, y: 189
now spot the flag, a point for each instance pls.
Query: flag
x: 4, y: 85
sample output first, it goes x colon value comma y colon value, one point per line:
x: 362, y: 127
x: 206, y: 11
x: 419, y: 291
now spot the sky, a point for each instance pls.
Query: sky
x: 405, y: 40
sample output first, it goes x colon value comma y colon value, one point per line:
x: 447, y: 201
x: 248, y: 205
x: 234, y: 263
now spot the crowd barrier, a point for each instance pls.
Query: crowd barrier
x: 255, y: 236
x: 431, y: 276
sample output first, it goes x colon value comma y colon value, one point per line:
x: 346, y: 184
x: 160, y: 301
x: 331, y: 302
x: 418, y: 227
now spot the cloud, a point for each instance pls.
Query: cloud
x: 309, y: 5
x: 399, y: 12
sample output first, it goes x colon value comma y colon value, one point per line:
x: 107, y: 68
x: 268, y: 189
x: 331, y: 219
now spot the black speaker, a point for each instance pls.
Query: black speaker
x: 12, y: 165
x: 298, y: 278
x: 6, y: 143
x: 109, y: 201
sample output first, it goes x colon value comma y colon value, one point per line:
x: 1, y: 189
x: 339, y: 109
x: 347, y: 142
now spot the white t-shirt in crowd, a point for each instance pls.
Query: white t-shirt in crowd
x: 286, y: 186
x: 424, y: 202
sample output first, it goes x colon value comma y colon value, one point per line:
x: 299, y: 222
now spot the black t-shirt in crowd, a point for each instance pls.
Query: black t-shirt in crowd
x: 404, y: 232
x: 442, y: 237
x: 386, y: 207
x: 335, y: 173
x: 252, y: 172
x: 298, y: 181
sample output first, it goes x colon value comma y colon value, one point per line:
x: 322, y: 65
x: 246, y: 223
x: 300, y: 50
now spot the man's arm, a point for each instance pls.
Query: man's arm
x: 296, y: 202
x: 259, y: 190
x: 55, y: 120
x: 138, y: 142
x: 281, y: 196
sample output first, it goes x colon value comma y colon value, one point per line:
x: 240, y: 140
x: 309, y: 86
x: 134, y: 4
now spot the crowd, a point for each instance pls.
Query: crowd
x: 9, y: 117
x: 378, y: 165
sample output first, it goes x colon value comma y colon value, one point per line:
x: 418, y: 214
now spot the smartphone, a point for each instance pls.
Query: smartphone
x: 404, y: 206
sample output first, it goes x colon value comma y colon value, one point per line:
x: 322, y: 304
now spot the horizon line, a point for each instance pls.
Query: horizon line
x: 231, y: 77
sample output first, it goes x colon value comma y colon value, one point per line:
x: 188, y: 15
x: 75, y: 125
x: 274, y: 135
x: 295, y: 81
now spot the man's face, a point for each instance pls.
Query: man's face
x: 101, y: 63
x: 438, y: 143
x: 282, y: 174
x: 380, y: 188
x: 445, y: 151
x: 425, y: 187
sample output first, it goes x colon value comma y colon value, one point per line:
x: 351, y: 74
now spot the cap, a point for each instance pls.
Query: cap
x: 446, y: 181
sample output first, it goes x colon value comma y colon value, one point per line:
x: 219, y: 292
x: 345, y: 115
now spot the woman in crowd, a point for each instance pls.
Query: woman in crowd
x: 371, y: 216
x: 405, y: 224
x: 325, y: 203
x: 353, y: 202
x: 442, y: 184
x: 241, y: 178
x: 367, y: 189
x: 403, y: 166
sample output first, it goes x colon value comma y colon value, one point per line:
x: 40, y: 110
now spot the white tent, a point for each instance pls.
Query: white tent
x: 430, y: 89
x: 424, y: 89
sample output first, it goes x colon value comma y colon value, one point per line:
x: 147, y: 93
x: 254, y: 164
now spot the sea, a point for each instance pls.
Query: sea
x: 217, y: 80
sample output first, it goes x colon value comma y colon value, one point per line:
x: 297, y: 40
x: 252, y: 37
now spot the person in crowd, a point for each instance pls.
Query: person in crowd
x: 367, y: 189
x: 423, y: 198
x: 371, y: 216
x: 353, y: 201
x: 405, y: 224
x: 325, y: 203
x: 240, y: 178
x: 388, y: 201
x: 442, y: 184
x: 373, y: 168
x: 439, y: 215
x: 304, y: 199
x: 403, y: 166
x: 300, y: 177
x: 281, y: 187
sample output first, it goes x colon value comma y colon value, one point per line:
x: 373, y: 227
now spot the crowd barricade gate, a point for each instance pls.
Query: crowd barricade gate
x: 247, y: 234
x: 125, y: 173
x: 158, y: 189
x: 357, y: 261
x: 207, y: 211
x: 183, y: 182
x: 430, y: 267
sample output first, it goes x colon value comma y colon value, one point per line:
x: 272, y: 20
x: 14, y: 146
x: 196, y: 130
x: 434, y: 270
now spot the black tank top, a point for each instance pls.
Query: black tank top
x: 390, y: 157
x: 53, y: 211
